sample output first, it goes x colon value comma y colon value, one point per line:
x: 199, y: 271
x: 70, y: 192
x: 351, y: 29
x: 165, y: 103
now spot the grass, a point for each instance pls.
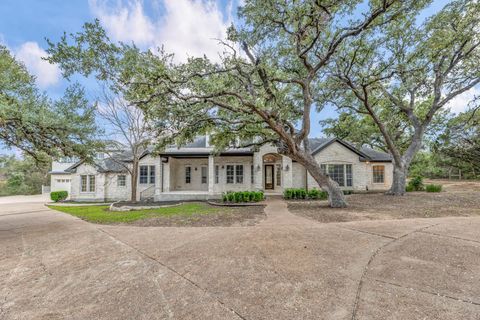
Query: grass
x: 101, y: 214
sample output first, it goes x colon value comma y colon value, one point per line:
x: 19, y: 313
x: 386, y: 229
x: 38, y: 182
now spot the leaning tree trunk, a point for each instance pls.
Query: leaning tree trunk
x: 336, y: 198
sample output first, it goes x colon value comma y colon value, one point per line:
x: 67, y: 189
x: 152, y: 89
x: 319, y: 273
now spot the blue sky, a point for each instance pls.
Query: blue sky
x: 183, y: 26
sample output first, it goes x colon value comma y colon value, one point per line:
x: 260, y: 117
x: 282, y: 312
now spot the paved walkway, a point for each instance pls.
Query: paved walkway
x: 54, y: 266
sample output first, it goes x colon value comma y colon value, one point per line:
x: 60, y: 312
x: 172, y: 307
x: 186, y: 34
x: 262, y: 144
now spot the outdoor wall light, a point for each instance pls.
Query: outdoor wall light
x: 287, y: 168
x: 258, y: 167
x: 195, y: 168
x: 223, y: 167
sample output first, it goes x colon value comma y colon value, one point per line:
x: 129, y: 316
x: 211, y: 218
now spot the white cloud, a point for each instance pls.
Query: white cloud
x: 31, y: 55
x: 125, y: 22
x: 461, y: 102
x: 185, y: 27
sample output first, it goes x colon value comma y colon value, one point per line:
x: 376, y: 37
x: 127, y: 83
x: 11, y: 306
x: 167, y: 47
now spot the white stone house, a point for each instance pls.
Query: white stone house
x: 195, y: 172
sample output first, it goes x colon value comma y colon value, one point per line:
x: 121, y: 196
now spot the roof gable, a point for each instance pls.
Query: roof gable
x: 365, y: 153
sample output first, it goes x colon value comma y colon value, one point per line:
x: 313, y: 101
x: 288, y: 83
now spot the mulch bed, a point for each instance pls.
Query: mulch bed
x: 380, y: 206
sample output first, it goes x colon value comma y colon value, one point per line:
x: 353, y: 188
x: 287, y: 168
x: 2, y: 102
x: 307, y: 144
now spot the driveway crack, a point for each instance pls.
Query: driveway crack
x: 428, y: 292
x: 222, y: 303
x: 372, y: 257
x: 366, y: 232
x: 448, y: 236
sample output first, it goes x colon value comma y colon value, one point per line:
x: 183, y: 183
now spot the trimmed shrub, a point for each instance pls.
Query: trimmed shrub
x: 409, y: 188
x: 242, y: 196
x: 433, y: 188
x: 301, y: 194
x: 313, y: 194
x: 346, y: 192
x: 58, y: 195
x: 416, y: 184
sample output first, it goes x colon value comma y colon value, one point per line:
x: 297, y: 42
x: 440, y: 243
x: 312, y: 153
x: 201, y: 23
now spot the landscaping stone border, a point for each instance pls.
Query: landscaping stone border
x: 238, y: 204
x: 113, y: 207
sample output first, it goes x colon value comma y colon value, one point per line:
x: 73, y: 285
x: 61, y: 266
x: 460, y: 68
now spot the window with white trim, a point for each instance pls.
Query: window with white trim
x: 252, y: 175
x: 217, y: 173
x: 147, y: 175
x: 121, y: 180
x: 378, y: 174
x: 278, y: 174
x: 234, y: 174
x: 239, y: 173
x: 188, y: 174
x: 87, y: 183
x: 230, y: 175
x: 340, y: 173
x: 204, y: 174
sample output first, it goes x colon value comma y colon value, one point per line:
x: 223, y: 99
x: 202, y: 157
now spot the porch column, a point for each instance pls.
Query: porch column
x: 287, y: 169
x: 211, y: 174
x: 258, y: 171
x: 166, y: 175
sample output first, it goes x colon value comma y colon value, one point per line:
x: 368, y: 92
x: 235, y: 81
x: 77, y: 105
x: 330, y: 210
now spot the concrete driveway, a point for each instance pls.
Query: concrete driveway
x: 54, y: 266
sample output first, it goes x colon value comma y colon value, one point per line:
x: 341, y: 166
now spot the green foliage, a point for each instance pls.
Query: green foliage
x: 409, y: 188
x: 415, y: 184
x: 23, y: 176
x: 243, y: 196
x: 405, y: 75
x: 458, y: 147
x: 37, y: 125
x: 302, y: 194
x: 427, y: 164
x: 433, y: 188
x: 57, y: 196
x: 101, y: 214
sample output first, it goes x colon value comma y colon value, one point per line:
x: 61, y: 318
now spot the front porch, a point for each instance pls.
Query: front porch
x: 206, y: 176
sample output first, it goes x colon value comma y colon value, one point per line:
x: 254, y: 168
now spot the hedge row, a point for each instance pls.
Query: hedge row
x: 58, y: 195
x: 312, y: 194
x: 243, y: 196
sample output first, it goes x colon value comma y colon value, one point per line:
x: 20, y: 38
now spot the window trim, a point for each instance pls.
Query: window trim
x: 217, y: 174
x: 189, y: 167
x: 88, y: 183
x: 324, y: 167
x: 235, y: 176
x: 124, y: 180
x: 373, y: 173
x: 278, y: 175
x: 202, y: 177
x: 252, y: 174
x: 149, y: 177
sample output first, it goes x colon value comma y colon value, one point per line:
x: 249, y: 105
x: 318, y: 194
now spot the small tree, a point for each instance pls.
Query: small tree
x: 411, y: 69
x: 127, y: 125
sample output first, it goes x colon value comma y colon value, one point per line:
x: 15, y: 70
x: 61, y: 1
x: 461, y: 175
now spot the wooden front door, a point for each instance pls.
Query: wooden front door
x: 269, y: 177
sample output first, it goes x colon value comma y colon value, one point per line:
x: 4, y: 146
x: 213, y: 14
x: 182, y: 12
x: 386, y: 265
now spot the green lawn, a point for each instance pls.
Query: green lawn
x: 101, y: 214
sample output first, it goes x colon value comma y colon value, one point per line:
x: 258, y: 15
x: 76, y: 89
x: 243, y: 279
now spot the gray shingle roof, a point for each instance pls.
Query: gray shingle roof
x: 375, y: 155
x: 199, y: 146
x: 365, y: 153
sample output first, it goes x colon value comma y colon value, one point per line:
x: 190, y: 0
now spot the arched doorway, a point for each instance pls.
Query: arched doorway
x: 272, y: 167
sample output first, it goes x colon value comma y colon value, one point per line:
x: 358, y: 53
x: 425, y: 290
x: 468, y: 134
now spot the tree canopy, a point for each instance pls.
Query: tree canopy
x: 411, y: 68
x: 269, y: 77
x: 36, y: 124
